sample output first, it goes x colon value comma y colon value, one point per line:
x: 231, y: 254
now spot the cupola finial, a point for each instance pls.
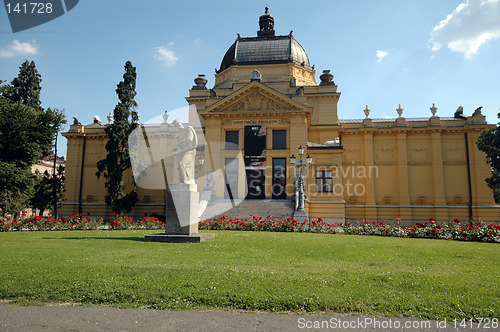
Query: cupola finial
x: 266, y: 24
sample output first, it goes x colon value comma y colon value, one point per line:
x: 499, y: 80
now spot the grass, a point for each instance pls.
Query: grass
x: 295, y: 272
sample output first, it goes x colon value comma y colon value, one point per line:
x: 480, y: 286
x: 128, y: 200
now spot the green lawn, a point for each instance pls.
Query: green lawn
x: 255, y: 270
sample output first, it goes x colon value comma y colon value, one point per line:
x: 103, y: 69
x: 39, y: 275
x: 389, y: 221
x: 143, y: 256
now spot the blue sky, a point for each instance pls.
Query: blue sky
x: 382, y: 52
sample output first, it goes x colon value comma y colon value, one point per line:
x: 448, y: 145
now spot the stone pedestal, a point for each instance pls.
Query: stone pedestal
x: 300, y: 216
x: 181, y: 216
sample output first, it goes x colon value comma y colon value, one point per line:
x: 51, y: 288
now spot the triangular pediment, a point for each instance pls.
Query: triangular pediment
x: 255, y: 98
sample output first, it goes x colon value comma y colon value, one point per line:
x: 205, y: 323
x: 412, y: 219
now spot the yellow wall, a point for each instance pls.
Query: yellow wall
x: 402, y: 168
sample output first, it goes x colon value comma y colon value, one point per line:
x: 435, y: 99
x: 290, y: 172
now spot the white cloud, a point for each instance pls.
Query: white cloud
x: 18, y: 48
x: 165, y: 55
x: 472, y: 23
x: 381, y: 55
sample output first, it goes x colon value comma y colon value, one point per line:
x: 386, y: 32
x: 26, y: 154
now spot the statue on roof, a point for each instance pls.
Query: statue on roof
x: 459, y: 113
x: 477, y: 111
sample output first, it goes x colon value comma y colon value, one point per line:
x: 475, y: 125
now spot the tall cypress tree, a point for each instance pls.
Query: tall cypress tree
x: 25, y: 88
x: 117, y: 161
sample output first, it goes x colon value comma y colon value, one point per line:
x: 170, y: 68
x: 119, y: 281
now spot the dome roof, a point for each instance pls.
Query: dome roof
x: 265, y: 49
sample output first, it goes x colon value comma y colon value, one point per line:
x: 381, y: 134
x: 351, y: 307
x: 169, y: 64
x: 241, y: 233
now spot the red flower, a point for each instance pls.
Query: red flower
x: 431, y: 219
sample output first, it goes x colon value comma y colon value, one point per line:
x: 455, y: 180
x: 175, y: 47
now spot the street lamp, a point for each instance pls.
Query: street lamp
x: 300, y: 165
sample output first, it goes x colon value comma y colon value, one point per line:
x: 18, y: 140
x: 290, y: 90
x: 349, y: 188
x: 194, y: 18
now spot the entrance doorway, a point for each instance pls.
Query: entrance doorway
x: 255, y: 161
x: 279, y: 178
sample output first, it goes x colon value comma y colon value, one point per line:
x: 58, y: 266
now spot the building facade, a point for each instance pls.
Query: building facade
x: 264, y: 105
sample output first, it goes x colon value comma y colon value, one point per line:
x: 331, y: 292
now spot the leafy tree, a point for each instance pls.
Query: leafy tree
x: 117, y: 161
x: 43, y: 197
x: 25, y: 88
x: 26, y: 133
x: 489, y: 143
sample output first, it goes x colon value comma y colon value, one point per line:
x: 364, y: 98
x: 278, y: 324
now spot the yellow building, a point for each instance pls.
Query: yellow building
x: 265, y: 100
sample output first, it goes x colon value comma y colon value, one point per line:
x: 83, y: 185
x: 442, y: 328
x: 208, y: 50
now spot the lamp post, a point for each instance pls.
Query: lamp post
x: 54, y: 177
x: 301, y: 164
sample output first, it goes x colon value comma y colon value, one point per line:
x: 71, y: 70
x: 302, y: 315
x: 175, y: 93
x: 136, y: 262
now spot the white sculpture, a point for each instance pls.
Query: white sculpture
x: 400, y: 111
x: 187, y: 140
x: 433, y: 110
x: 110, y: 118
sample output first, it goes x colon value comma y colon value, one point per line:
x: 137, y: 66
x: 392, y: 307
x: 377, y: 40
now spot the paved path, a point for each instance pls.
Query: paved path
x: 68, y: 318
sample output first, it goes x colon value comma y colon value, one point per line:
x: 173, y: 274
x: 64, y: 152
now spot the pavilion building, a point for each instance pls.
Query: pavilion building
x: 265, y: 105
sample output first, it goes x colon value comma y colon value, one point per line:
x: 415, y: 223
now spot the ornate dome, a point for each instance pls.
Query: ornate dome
x: 265, y: 49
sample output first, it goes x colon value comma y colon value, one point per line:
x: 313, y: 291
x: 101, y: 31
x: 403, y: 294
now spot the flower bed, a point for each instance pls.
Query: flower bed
x: 25, y: 222
x: 449, y: 230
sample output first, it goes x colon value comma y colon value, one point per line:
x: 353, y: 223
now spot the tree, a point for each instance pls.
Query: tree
x: 26, y: 133
x: 25, y: 88
x: 117, y: 161
x: 43, y: 197
x: 489, y: 143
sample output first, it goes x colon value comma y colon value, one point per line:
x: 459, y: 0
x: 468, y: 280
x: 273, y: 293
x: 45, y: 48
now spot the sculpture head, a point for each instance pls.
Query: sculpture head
x: 177, y: 123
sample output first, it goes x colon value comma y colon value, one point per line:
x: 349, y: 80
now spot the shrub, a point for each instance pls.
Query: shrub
x: 454, y: 230
x: 25, y: 222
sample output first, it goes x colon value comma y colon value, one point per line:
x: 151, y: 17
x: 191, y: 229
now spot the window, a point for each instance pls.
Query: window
x: 279, y: 139
x: 232, y: 140
x: 324, y: 182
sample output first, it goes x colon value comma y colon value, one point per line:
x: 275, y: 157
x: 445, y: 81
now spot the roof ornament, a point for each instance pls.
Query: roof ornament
x: 110, y: 118
x: 459, y: 113
x: 367, y: 112
x: 477, y: 111
x: 266, y: 25
x: 201, y: 82
x: 400, y: 111
x: 326, y: 78
x: 433, y: 110
x: 255, y: 76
